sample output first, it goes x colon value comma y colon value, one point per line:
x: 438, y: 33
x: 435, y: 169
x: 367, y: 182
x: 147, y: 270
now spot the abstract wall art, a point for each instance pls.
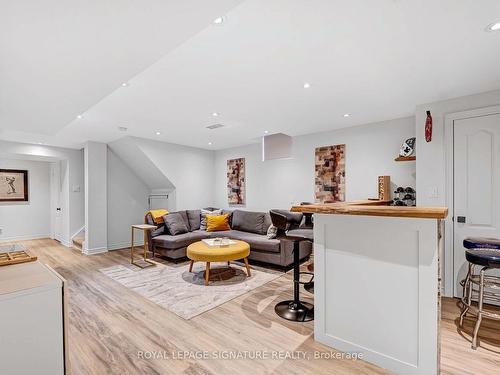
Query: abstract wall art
x: 330, y: 174
x: 236, y: 194
x: 13, y: 185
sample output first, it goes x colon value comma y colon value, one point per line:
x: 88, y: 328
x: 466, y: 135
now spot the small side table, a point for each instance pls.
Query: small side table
x: 145, y: 228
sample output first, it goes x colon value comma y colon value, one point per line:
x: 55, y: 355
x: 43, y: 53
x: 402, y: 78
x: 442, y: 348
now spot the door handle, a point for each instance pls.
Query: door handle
x: 461, y: 219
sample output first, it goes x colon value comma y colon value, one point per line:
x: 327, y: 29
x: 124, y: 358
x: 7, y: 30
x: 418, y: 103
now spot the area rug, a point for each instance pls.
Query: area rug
x: 184, y: 293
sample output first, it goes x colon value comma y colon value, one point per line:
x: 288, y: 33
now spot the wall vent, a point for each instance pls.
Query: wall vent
x: 215, y: 126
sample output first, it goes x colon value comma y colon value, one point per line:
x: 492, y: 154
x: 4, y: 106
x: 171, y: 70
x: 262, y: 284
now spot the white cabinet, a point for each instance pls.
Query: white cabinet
x: 32, y: 320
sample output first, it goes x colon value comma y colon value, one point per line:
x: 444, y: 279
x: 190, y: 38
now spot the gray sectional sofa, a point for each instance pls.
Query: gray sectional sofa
x: 247, y: 226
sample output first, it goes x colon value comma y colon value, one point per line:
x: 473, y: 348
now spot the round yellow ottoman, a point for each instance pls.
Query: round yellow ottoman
x: 201, y: 252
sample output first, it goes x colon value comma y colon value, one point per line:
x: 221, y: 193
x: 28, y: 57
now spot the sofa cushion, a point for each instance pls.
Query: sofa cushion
x: 160, y: 228
x: 267, y: 222
x: 181, y: 240
x: 194, y: 218
x: 256, y: 241
x: 175, y: 224
x: 230, y: 213
x: 302, y: 232
x: 218, y: 223
x: 184, y: 218
x: 247, y: 221
x: 204, y: 213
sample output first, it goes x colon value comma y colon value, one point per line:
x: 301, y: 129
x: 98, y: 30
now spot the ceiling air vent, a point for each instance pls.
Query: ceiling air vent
x: 215, y: 126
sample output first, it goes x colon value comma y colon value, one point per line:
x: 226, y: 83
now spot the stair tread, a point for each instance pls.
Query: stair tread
x: 79, y: 240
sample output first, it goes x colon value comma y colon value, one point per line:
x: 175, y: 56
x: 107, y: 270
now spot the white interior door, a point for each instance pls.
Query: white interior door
x: 476, y: 185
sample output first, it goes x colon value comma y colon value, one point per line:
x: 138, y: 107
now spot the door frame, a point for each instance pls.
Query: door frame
x: 449, y: 143
x: 55, y: 200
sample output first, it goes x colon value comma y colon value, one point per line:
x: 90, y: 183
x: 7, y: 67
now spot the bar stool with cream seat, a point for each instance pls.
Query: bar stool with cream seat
x: 485, y: 253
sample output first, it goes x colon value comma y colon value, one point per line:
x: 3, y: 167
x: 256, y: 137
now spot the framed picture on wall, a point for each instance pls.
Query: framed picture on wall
x: 330, y: 174
x: 236, y: 182
x: 13, y: 185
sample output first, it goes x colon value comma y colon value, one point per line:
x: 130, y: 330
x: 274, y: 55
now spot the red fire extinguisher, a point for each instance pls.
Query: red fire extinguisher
x: 428, y: 127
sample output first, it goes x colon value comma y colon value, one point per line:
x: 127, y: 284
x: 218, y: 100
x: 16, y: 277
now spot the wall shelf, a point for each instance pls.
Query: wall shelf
x: 405, y: 158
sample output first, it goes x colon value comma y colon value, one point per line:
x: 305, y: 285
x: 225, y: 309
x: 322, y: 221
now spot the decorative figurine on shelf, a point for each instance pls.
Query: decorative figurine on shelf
x: 404, y: 197
x: 428, y: 127
x: 408, y: 147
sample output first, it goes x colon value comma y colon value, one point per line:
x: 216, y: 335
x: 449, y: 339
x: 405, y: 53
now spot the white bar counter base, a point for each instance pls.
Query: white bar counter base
x: 377, y: 283
x: 32, y: 320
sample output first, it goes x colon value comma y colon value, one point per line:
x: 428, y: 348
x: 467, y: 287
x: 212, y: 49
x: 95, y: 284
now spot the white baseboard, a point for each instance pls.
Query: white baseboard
x: 96, y: 250
x: 25, y: 237
x: 124, y: 245
x: 64, y: 242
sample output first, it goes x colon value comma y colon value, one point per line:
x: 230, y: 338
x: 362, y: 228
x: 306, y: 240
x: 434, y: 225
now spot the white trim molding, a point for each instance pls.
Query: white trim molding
x: 97, y: 250
x: 449, y: 120
x: 25, y: 237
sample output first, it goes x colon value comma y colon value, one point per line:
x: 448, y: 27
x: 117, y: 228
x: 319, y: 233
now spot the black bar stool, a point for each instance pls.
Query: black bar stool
x: 287, y: 224
x: 308, y: 223
x: 483, y: 252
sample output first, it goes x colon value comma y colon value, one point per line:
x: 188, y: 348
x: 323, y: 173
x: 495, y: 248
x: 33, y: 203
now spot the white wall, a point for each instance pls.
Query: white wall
x: 431, y: 167
x: 370, y: 152
x: 96, y: 206
x: 127, y: 202
x: 431, y: 160
x: 189, y: 169
x: 26, y: 220
x: 72, y: 201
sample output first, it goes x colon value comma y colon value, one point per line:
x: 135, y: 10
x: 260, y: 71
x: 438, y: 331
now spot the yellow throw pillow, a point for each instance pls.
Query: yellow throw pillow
x: 218, y: 223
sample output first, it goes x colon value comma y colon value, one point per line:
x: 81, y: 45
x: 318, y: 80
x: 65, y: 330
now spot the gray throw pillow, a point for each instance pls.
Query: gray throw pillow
x: 204, y: 213
x: 272, y: 232
x: 248, y: 221
x: 175, y: 224
x: 184, y: 216
x: 194, y: 217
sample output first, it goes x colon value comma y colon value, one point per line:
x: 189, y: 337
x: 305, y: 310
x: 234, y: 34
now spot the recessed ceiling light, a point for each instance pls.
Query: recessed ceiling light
x: 307, y: 85
x: 158, y: 133
x: 79, y: 117
x: 493, y: 27
x: 124, y: 84
x: 219, y: 20
x: 122, y: 128
x: 210, y: 143
x: 347, y: 115
x: 215, y: 114
x: 265, y: 131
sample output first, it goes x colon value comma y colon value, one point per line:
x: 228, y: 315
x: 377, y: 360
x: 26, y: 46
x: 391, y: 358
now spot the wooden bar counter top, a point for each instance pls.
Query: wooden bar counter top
x: 372, y: 208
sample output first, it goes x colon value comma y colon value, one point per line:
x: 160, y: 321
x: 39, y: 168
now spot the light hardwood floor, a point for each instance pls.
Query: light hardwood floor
x: 110, y: 324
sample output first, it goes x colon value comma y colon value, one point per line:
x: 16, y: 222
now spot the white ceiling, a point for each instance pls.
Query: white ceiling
x: 373, y: 59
